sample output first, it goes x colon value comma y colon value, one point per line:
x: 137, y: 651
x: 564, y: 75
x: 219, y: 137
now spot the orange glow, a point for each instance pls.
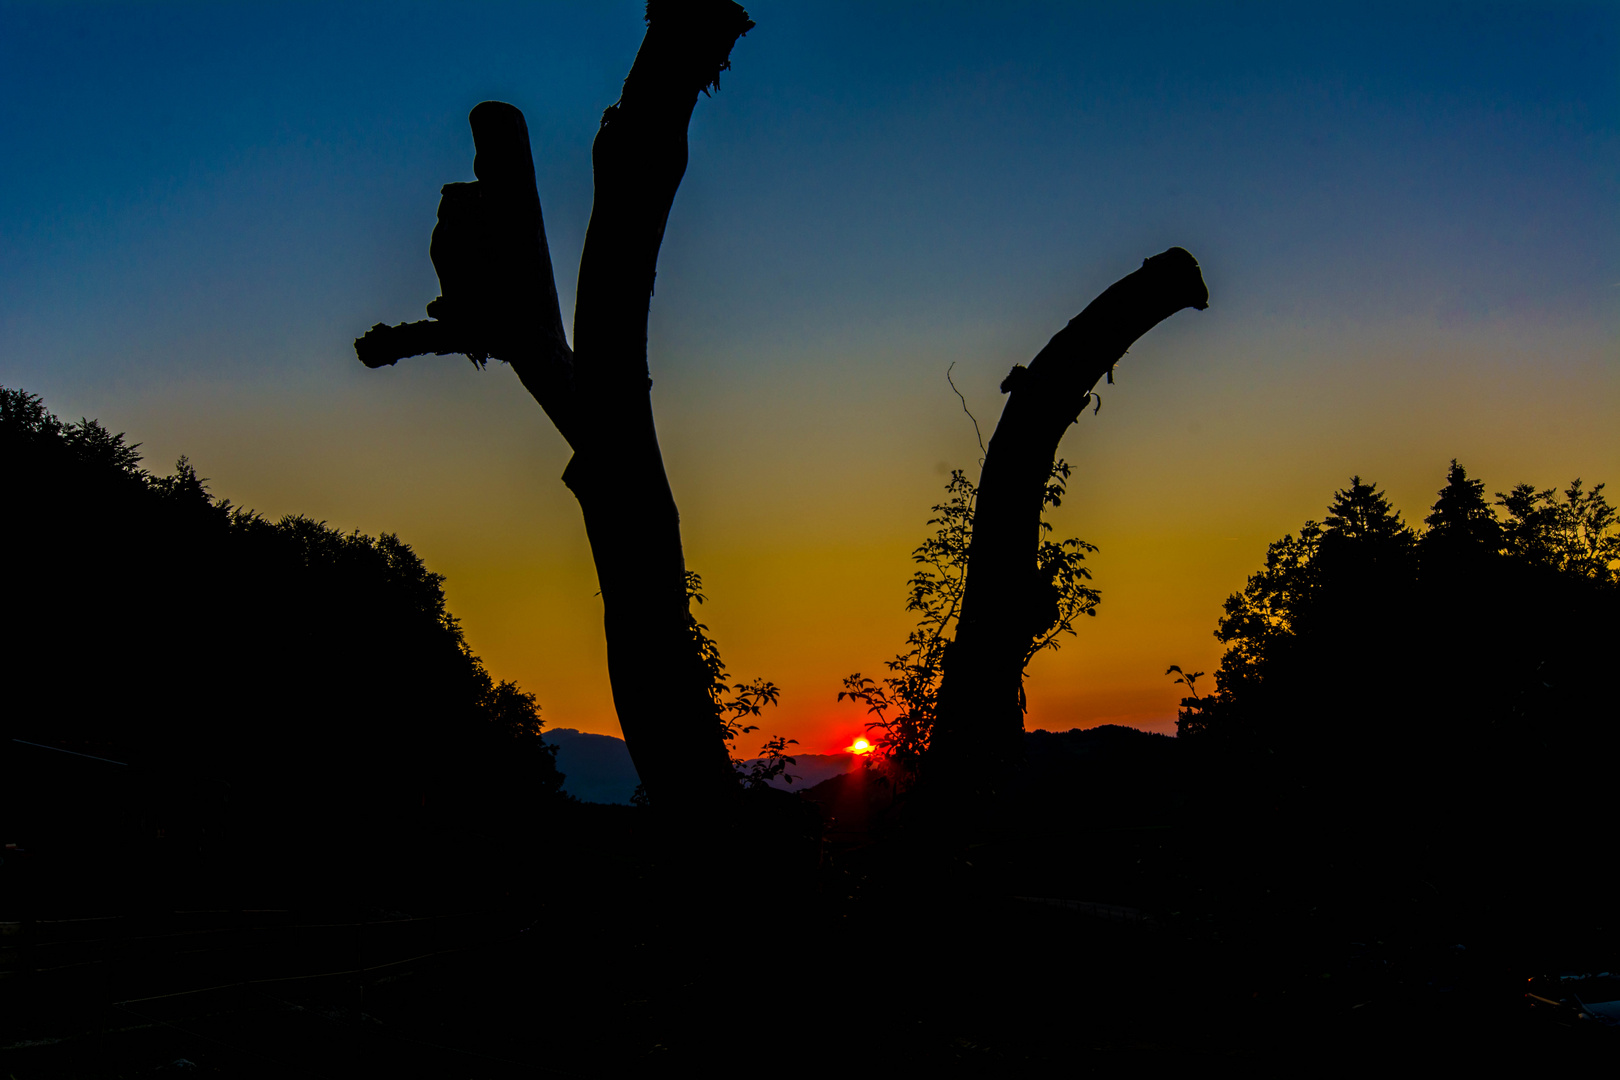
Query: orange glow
x: 859, y: 746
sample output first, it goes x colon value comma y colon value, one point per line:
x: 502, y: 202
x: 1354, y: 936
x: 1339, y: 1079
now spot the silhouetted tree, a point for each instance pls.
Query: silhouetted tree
x: 499, y: 299
x: 1461, y: 524
x: 1329, y: 607
x: 1360, y: 591
x: 1411, y: 702
x: 904, y: 704
x: 1006, y: 596
x: 1572, y: 535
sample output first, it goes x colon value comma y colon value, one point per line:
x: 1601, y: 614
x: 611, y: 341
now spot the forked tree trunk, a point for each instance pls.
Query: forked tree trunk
x: 980, y: 721
x: 500, y: 300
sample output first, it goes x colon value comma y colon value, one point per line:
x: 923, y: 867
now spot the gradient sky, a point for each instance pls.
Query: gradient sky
x: 1408, y: 216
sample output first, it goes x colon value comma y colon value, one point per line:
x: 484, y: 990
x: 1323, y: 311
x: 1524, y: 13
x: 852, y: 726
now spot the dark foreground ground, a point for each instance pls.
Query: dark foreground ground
x: 609, y: 950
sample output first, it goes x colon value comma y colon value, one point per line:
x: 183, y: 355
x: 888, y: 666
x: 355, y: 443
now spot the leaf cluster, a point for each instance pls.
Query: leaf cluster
x: 1575, y: 534
x: 1060, y: 595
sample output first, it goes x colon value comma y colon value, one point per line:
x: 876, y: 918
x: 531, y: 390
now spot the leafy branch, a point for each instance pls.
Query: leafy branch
x: 736, y: 703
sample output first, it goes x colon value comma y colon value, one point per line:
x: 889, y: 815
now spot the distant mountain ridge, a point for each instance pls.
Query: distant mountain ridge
x: 597, y: 768
x: 808, y: 770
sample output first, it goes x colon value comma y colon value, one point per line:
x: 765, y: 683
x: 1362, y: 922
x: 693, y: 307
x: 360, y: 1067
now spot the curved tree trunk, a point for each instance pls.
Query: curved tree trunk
x: 979, y: 723
x: 500, y: 300
x: 659, y: 686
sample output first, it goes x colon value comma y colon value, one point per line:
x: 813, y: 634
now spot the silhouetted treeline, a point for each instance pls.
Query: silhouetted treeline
x: 1427, y: 714
x: 296, y: 698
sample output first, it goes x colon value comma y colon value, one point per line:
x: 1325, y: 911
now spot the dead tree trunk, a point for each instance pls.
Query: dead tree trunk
x: 500, y: 300
x: 980, y: 721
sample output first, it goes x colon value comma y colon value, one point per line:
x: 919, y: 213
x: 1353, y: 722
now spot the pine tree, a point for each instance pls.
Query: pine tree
x: 1461, y: 521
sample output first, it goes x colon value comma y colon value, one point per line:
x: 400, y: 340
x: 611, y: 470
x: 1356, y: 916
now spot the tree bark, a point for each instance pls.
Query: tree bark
x: 500, y: 300
x: 979, y: 723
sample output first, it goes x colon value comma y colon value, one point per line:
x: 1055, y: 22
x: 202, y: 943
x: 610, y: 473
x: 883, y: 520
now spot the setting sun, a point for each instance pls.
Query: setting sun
x: 859, y: 746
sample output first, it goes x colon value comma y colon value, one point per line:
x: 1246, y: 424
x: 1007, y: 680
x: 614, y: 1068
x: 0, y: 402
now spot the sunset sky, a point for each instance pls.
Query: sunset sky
x: 1409, y: 221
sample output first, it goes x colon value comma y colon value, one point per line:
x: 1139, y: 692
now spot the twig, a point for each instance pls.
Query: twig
x: 976, y: 432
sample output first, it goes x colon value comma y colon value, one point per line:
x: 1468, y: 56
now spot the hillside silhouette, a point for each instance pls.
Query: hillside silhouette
x: 266, y: 686
x: 597, y: 767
